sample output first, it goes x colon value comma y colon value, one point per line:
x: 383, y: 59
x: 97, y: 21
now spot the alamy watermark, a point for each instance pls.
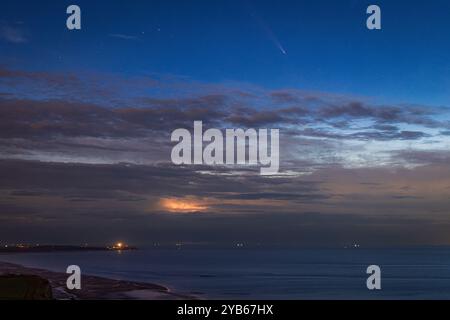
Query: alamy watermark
x: 240, y: 147
x: 374, y: 280
x: 74, y: 280
x: 373, y: 22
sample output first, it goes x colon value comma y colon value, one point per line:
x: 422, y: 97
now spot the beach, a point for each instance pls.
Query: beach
x: 94, y: 287
x: 242, y: 273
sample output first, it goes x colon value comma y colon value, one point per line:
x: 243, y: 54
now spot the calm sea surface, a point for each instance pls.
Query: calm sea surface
x: 267, y: 274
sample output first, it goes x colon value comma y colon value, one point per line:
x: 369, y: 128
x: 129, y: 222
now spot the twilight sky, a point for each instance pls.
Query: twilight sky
x: 86, y: 118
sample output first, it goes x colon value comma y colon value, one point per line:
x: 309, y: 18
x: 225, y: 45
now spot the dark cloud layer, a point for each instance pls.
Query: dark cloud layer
x: 78, y: 180
x: 373, y: 207
x: 89, y: 161
x: 30, y: 118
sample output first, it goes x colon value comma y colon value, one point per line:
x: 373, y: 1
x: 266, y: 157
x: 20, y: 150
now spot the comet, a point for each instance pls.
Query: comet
x: 269, y: 32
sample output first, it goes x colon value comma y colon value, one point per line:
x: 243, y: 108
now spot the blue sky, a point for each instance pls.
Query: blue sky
x: 327, y: 45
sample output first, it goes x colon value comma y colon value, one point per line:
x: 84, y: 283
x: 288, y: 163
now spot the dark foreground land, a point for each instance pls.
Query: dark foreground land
x: 92, y: 287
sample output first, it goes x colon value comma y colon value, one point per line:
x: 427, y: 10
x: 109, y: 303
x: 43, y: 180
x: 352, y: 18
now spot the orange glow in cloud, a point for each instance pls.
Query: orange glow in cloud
x: 182, y: 205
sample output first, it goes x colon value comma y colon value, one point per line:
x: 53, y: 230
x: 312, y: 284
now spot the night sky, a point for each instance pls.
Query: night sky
x: 86, y: 118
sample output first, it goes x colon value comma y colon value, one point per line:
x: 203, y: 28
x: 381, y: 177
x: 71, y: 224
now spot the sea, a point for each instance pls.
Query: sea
x: 249, y: 273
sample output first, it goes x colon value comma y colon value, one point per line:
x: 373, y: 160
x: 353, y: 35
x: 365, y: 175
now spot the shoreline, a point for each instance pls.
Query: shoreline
x: 96, y: 287
x: 58, y: 248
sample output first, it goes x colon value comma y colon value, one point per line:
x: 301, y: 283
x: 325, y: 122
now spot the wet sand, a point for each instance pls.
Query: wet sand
x: 96, y: 288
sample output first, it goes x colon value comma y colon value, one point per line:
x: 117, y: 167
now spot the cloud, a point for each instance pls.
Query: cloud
x: 32, y: 119
x: 22, y: 118
x: 382, y: 114
x: 283, y: 97
x: 423, y: 157
x: 335, y: 206
x: 231, y: 105
x: 124, y: 36
x: 108, y: 119
x: 12, y: 34
x: 251, y: 117
x: 387, y: 135
x: 103, y: 180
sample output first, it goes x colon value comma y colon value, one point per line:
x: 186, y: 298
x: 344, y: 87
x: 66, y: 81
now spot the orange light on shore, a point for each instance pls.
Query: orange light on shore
x: 119, y: 246
x: 182, y: 205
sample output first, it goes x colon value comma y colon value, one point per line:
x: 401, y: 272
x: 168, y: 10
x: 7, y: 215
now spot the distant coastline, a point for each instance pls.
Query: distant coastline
x: 56, y: 248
